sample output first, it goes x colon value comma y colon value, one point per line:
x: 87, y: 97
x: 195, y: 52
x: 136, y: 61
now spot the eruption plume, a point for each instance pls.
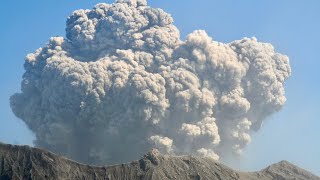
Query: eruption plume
x: 122, y: 82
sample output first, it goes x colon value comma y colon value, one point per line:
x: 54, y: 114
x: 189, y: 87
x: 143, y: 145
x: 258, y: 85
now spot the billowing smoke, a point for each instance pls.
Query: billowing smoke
x: 122, y: 82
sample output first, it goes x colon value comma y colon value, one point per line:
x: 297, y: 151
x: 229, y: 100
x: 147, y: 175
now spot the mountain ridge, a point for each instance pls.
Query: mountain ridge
x: 24, y: 162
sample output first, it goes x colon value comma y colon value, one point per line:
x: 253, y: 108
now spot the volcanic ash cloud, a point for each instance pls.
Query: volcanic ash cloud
x: 122, y: 82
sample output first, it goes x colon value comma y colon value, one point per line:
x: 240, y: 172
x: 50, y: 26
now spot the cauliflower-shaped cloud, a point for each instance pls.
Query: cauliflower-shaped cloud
x: 122, y: 82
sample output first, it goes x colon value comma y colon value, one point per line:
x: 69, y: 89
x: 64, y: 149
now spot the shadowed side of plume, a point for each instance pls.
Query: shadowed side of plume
x: 23, y: 162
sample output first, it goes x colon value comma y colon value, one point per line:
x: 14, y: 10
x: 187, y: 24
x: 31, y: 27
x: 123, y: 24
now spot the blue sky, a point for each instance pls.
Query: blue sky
x: 291, y: 26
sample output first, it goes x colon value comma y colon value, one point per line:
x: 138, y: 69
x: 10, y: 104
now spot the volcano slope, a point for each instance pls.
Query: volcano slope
x: 24, y: 162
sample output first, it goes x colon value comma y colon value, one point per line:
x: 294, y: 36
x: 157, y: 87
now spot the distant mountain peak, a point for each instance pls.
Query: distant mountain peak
x: 289, y: 170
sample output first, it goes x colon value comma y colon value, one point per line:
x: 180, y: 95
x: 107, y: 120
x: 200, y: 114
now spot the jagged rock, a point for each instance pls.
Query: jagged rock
x: 24, y: 162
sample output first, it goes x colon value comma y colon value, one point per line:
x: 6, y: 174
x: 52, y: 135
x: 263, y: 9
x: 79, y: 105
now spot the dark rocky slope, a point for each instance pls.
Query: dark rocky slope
x: 23, y: 162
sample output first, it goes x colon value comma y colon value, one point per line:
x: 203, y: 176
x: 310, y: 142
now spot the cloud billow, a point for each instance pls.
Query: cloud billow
x: 122, y: 82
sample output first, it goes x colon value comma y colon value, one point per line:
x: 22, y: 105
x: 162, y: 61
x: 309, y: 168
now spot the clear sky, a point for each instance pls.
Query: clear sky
x: 292, y: 26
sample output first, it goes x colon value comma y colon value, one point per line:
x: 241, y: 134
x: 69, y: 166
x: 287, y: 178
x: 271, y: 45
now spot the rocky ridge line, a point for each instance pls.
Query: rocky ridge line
x: 24, y: 162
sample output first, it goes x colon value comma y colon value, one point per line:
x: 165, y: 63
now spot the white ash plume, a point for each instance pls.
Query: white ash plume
x: 122, y: 82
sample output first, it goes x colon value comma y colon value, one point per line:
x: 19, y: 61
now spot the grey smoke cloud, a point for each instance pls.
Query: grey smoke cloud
x: 122, y: 82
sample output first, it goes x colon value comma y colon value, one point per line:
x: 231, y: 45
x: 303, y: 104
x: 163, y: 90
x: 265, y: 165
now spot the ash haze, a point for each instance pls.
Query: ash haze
x: 122, y: 80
